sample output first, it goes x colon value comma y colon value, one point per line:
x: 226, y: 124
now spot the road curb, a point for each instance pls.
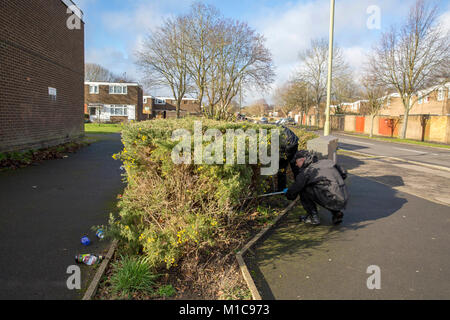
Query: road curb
x: 92, y: 289
x: 240, y: 255
x: 432, y: 166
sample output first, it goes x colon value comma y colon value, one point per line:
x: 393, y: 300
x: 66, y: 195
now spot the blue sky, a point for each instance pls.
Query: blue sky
x: 115, y: 28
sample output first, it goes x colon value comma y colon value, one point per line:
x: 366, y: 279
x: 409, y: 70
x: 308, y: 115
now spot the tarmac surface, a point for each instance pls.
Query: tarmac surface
x: 404, y: 235
x: 412, y: 152
x: 44, y: 212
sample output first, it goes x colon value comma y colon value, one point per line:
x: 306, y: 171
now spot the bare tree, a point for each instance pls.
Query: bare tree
x: 294, y: 95
x: 344, y: 90
x: 314, y: 69
x: 411, y: 58
x: 240, y: 60
x: 375, y: 94
x: 163, y: 58
x: 95, y: 72
x: 258, y: 108
x: 202, y: 44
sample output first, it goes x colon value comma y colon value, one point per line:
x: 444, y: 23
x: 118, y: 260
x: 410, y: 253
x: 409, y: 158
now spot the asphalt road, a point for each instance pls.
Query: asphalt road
x: 44, y: 212
x: 429, y: 155
x: 405, y: 236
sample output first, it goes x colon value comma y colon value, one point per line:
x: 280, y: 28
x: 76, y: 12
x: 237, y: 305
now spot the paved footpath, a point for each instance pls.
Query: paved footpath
x: 405, y: 235
x: 44, y: 212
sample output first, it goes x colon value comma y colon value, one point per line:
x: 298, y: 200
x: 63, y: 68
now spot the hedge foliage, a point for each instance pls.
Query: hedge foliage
x: 169, y: 211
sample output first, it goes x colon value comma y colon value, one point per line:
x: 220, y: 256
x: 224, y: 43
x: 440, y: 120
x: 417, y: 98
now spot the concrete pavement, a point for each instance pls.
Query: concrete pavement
x: 405, y: 235
x: 44, y: 212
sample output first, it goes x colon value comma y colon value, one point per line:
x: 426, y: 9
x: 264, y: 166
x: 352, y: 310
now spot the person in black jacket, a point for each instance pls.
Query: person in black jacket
x: 319, y: 183
x: 288, y: 149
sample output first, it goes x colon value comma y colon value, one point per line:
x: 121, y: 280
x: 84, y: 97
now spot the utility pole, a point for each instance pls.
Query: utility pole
x: 327, y: 126
x: 240, y: 98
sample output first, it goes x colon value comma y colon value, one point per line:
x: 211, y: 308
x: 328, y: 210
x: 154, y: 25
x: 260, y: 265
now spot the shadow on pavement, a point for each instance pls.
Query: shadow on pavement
x: 351, y: 147
x: 369, y: 201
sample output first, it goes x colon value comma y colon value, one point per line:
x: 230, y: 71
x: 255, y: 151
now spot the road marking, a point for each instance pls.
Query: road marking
x: 369, y: 144
x: 411, y: 150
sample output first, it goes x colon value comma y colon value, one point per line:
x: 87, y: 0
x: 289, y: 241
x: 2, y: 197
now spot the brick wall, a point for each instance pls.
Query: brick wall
x: 433, y: 106
x: 38, y: 51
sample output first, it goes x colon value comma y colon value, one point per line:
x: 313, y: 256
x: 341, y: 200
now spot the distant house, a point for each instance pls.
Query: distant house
x: 41, y: 73
x: 432, y: 101
x: 165, y: 107
x: 113, y: 101
x: 349, y: 107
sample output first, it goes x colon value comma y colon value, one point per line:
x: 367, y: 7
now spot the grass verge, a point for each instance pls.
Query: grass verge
x: 103, y: 128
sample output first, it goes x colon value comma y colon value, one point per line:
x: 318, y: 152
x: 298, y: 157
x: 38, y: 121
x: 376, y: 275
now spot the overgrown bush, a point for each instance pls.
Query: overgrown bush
x: 171, y: 213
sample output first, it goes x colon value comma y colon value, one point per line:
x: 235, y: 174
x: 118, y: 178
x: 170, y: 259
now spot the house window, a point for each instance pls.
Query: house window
x: 159, y: 101
x: 440, y: 95
x: 118, y: 110
x: 427, y: 99
x: 93, y: 89
x: 118, y: 89
x: 420, y: 101
x: 145, y: 100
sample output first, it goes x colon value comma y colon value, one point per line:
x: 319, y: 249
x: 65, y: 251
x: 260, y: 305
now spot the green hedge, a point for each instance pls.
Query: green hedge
x: 170, y: 211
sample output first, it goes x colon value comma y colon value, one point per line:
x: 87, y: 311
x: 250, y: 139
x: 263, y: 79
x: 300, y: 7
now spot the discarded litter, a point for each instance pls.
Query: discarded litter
x: 89, y: 259
x: 100, y: 234
x: 86, y: 241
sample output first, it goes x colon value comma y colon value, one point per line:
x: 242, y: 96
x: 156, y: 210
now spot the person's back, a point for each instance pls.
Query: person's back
x: 319, y: 182
x: 326, y: 179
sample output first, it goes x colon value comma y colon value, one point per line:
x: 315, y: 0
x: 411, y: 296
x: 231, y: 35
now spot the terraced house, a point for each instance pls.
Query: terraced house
x: 113, y: 102
x: 165, y: 107
x: 41, y: 73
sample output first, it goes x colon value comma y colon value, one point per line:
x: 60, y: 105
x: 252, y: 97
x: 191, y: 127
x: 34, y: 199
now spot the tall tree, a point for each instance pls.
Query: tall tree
x: 202, y: 44
x: 95, y: 72
x: 163, y: 59
x: 294, y: 95
x: 314, y: 69
x: 375, y: 93
x: 411, y: 58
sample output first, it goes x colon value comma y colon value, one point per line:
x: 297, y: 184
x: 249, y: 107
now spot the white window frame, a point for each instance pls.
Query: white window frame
x: 420, y: 100
x: 145, y: 100
x: 93, y: 89
x: 116, y: 107
x: 160, y: 101
x: 114, y: 89
x: 427, y: 98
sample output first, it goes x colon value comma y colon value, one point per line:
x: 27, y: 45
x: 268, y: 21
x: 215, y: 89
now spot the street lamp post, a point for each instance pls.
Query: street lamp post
x: 330, y: 72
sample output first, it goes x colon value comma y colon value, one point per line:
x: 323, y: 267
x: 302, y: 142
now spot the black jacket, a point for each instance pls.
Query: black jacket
x: 326, y: 181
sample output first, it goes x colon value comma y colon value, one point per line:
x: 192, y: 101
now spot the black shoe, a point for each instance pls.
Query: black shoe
x: 338, y: 218
x: 312, y: 219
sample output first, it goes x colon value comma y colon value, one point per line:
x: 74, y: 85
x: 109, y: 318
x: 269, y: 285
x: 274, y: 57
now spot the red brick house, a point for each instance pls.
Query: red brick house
x: 113, y: 102
x: 41, y: 73
x: 165, y: 107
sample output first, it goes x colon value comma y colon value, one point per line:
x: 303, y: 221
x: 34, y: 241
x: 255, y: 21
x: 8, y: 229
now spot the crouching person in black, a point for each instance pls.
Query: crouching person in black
x: 319, y: 182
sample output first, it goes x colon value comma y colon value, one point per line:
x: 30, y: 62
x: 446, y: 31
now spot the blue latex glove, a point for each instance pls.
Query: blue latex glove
x: 285, y: 190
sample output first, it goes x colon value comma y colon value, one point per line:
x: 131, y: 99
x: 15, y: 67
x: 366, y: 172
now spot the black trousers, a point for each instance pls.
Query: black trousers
x: 310, y: 200
x: 284, y: 164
